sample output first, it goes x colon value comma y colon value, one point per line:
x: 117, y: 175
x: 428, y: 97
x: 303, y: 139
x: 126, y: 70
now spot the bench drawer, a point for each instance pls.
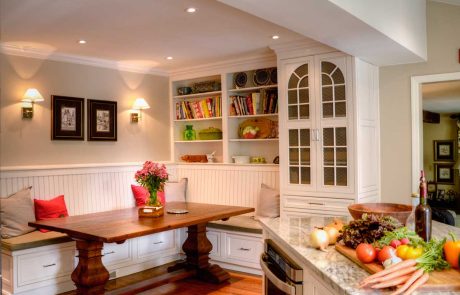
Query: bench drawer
x: 151, y: 244
x: 116, y: 253
x: 243, y: 248
x: 40, y: 266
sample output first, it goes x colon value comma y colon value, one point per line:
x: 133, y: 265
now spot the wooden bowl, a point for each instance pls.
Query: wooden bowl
x: 399, y: 211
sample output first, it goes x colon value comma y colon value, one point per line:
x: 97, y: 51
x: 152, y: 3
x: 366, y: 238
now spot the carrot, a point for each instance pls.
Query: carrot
x: 409, y: 282
x: 420, y: 281
x: 392, y: 275
x: 397, y: 274
x: 392, y: 268
x: 391, y: 283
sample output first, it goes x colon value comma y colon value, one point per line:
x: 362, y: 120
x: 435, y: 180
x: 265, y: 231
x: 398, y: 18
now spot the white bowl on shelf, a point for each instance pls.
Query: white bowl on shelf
x: 241, y: 159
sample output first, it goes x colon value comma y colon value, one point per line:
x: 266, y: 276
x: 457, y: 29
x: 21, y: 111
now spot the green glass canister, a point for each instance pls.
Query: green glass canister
x: 189, y: 133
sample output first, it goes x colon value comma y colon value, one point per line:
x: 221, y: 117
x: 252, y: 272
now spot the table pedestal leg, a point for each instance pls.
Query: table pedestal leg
x: 197, y: 248
x: 90, y: 275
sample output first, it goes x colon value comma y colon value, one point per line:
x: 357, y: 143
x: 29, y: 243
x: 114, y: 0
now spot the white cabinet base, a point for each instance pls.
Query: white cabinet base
x: 46, y: 270
x: 235, y: 250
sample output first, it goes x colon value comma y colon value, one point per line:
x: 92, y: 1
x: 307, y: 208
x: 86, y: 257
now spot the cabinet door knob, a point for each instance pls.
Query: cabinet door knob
x: 245, y: 249
x: 108, y: 253
x: 156, y: 243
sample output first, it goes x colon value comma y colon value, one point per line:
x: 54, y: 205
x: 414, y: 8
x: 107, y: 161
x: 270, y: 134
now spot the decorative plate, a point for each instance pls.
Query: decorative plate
x: 240, y: 79
x: 177, y: 211
x: 273, y: 76
x: 261, y: 77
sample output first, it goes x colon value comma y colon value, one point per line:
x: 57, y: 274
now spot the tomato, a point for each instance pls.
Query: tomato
x: 386, y: 252
x: 414, y: 253
x: 366, y: 253
x: 401, y: 251
x: 377, y: 250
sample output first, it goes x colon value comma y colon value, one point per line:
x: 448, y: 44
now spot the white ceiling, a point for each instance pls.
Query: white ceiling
x: 141, y: 32
x: 441, y: 97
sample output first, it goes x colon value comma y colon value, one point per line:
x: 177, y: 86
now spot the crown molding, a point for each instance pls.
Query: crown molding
x: 226, y: 66
x: 38, y: 53
x: 299, y: 48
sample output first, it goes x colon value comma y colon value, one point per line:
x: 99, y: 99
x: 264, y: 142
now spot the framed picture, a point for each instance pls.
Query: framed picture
x: 441, y: 194
x: 102, y: 120
x: 432, y: 187
x: 67, y: 118
x: 444, y: 150
x: 444, y: 173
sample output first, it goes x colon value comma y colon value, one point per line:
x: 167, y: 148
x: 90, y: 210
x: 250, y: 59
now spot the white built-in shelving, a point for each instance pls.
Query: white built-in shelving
x: 231, y: 144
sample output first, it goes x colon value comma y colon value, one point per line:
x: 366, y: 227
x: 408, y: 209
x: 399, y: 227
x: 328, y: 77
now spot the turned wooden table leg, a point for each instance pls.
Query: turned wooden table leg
x: 90, y: 275
x: 197, y: 248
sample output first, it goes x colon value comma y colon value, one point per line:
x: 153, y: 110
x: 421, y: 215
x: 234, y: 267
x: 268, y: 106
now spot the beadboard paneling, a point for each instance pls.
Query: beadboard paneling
x: 236, y: 185
x: 96, y: 188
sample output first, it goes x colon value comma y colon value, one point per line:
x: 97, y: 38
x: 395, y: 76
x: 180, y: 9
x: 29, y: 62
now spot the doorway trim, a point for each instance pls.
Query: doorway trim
x: 417, y: 119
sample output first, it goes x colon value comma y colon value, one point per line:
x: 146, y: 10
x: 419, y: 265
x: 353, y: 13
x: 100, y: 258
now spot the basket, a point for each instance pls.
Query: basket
x: 210, y: 133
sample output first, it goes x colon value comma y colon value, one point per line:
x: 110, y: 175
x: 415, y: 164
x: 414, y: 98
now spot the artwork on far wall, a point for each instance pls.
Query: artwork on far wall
x: 444, y: 173
x: 67, y: 118
x: 443, y: 150
x: 102, y: 120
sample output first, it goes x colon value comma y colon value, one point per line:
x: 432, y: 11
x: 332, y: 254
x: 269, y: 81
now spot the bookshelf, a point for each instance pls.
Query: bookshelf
x: 223, y: 115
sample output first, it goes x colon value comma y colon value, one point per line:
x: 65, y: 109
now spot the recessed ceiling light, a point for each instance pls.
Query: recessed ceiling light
x: 169, y: 58
x: 81, y: 41
x: 191, y: 10
x: 275, y: 37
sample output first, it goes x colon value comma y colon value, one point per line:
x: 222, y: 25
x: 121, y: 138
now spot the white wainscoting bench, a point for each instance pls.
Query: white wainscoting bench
x: 41, y: 263
x: 236, y: 243
x: 90, y: 188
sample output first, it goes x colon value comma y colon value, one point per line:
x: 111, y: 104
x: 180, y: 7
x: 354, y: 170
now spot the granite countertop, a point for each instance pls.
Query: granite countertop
x: 336, y: 270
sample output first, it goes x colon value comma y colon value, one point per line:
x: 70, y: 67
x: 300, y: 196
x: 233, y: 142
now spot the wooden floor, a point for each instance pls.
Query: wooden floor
x: 239, y: 284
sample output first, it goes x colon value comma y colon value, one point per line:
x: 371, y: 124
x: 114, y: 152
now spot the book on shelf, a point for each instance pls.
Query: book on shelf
x: 198, y: 109
x: 263, y: 102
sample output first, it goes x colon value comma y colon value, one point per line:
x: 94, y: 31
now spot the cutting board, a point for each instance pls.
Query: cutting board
x: 446, y: 280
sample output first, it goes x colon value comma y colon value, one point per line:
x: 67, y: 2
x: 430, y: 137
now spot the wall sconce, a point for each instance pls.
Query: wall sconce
x: 29, y: 98
x: 139, y: 105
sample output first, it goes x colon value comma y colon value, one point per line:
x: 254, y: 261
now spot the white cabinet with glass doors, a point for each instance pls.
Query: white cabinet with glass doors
x: 321, y: 132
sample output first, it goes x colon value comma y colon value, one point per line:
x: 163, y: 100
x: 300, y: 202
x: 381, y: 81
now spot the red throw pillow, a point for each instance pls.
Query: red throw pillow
x: 50, y: 209
x: 141, y: 194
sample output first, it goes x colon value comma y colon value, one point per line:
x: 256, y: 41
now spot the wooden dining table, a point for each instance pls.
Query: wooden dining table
x: 91, y: 231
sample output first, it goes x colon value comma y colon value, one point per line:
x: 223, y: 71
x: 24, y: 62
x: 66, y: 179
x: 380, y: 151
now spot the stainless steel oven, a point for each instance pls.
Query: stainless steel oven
x: 281, y: 274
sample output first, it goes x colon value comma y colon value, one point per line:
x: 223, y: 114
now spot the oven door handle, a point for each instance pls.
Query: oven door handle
x: 286, y: 288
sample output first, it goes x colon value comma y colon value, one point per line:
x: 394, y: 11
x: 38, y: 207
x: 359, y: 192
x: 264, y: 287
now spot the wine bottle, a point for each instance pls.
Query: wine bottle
x: 423, y: 212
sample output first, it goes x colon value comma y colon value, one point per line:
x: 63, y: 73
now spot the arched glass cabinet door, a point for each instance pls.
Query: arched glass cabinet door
x: 299, y: 94
x: 299, y: 143
x: 334, y: 138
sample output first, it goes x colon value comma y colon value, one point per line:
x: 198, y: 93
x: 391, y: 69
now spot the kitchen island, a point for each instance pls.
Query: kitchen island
x: 326, y: 272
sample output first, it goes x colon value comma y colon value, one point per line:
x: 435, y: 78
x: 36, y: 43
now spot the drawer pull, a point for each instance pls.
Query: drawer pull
x: 244, y: 249
x: 108, y: 253
x: 318, y: 204
x: 48, y: 265
x: 156, y: 243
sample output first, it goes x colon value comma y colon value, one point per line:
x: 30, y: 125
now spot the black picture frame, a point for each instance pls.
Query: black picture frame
x: 67, y: 118
x: 102, y: 120
x: 444, y: 173
x: 444, y: 150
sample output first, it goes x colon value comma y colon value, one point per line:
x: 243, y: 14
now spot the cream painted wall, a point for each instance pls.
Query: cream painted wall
x: 443, y: 23
x: 445, y: 130
x: 28, y: 142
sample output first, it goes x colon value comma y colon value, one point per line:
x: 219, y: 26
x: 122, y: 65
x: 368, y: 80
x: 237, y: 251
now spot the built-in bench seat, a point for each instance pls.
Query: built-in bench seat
x: 245, y: 224
x: 34, y: 239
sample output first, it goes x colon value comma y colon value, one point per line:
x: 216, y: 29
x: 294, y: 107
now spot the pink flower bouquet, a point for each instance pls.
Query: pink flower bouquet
x: 152, y: 176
